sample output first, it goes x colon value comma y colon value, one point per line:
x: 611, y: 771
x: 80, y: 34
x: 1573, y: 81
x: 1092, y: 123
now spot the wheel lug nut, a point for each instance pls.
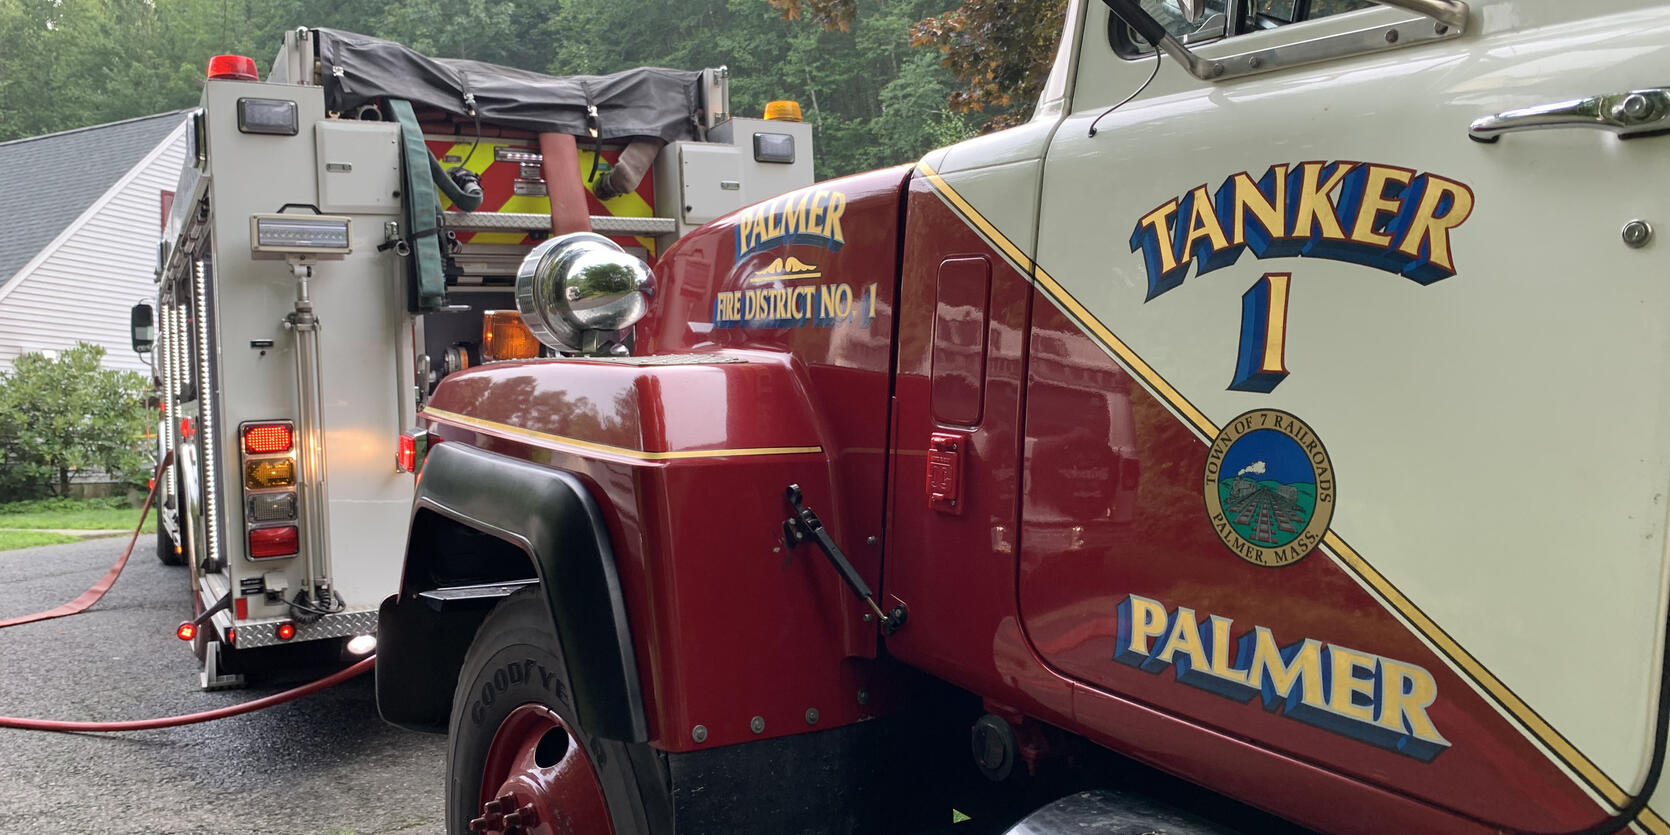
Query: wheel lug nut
x: 493, y: 807
x: 530, y: 815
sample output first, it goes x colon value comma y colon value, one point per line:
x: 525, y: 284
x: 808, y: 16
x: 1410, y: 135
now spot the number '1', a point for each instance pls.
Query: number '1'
x: 1261, y: 364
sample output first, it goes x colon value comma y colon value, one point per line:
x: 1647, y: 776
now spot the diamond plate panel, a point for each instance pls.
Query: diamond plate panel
x: 342, y: 625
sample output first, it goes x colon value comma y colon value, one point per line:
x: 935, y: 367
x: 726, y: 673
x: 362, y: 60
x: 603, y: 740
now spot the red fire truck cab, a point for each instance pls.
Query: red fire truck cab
x: 1292, y: 427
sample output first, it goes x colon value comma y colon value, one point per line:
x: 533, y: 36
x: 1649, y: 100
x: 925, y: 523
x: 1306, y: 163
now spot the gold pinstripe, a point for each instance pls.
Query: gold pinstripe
x: 1342, y: 552
x: 607, y: 449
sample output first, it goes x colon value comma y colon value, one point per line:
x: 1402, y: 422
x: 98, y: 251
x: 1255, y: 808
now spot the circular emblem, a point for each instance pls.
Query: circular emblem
x: 1269, y: 488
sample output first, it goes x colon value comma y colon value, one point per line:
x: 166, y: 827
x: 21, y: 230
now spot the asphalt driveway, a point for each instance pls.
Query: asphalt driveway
x: 322, y: 764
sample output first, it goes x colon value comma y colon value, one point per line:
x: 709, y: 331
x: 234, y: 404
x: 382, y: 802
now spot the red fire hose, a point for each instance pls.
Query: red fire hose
x: 97, y: 591
x: 191, y: 718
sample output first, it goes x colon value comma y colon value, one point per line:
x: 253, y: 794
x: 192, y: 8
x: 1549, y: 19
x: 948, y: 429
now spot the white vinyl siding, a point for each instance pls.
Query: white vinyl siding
x: 81, y: 287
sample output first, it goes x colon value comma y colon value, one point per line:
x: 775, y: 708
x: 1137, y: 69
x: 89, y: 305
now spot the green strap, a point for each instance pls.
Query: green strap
x: 427, y: 280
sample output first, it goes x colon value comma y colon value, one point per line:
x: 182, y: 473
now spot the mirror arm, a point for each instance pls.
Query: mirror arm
x: 1155, y: 33
x: 1452, y: 13
x: 1449, y: 13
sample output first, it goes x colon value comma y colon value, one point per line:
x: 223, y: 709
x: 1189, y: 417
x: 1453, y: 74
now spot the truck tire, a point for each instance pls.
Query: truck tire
x: 514, y: 731
x: 165, y: 547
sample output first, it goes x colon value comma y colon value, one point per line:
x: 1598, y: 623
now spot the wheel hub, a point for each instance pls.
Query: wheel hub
x: 538, y: 780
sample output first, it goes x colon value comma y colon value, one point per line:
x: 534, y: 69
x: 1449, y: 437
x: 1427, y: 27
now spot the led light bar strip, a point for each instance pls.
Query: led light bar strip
x: 206, y: 409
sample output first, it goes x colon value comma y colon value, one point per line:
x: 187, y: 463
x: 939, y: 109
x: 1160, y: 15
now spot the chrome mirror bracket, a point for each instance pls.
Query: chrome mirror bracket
x: 1443, y: 20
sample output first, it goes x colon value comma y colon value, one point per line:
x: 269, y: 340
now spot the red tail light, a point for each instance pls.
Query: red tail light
x: 186, y: 631
x: 405, y: 457
x: 236, y: 67
x: 231, y: 635
x: 274, y: 542
x: 267, y: 438
x: 286, y: 631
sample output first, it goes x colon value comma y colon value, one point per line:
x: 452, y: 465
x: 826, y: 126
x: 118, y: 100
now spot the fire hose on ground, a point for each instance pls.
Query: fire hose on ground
x: 97, y: 591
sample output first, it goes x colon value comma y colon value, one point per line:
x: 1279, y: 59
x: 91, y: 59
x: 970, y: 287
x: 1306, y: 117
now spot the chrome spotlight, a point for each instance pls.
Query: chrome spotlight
x: 577, y: 290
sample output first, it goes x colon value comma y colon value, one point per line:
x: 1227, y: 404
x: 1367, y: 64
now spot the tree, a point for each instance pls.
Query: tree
x: 872, y: 99
x: 999, y: 50
x: 64, y: 416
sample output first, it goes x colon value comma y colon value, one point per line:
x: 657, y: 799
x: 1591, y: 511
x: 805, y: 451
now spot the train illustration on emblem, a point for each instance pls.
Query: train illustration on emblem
x: 1269, y: 488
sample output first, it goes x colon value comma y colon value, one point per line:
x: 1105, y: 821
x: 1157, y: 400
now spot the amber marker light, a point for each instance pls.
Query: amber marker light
x: 505, y: 337
x: 267, y: 438
x: 269, y: 472
x: 783, y: 111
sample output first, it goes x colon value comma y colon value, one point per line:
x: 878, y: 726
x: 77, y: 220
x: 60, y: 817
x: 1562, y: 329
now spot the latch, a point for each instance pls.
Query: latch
x: 945, y: 472
x: 804, y: 525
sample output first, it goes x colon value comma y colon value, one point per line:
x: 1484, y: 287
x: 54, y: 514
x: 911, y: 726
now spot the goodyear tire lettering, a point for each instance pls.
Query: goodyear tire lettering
x: 501, y: 680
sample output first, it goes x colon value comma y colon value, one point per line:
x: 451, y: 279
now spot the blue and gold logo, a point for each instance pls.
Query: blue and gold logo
x: 811, y: 217
x: 1269, y: 488
x: 1380, y: 216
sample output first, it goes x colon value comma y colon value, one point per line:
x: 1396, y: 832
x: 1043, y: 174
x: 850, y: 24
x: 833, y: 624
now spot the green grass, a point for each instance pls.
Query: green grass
x: 11, y: 540
x: 73, y: 514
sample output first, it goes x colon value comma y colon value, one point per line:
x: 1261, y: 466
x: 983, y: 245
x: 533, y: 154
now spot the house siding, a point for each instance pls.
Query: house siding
x: 82, y: 290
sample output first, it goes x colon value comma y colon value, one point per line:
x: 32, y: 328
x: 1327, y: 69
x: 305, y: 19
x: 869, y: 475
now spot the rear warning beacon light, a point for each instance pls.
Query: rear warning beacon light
x: 286, y: 631
x: 235, y: 67
x: 782, y: 111
x: 186, y: 631
x: 274, y: 542
x: 267, y: 438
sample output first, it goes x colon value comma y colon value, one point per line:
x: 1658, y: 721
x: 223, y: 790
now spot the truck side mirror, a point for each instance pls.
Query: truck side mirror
x: 1191, y: 10
x: 142, y: 322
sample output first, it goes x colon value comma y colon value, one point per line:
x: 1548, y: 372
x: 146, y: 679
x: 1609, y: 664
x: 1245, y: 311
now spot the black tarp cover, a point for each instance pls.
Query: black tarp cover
x: 649, y: 101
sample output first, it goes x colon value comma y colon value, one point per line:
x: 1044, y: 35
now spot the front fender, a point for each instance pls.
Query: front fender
x: 549, y: 516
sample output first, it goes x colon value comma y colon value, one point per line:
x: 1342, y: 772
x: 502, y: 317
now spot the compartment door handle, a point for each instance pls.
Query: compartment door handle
x: 1629, y: 114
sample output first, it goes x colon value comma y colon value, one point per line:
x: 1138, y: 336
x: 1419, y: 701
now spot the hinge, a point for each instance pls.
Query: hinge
x: 804, y: 525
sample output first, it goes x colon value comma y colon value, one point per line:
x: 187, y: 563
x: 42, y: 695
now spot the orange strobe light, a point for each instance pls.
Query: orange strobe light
x: 782, y: 111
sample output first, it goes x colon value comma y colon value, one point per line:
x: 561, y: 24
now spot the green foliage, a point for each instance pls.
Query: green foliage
x: 998, y: 50
x: 63, y: 416
x: 98, y: 514
x: 871, y: 98
x: 13, y: 540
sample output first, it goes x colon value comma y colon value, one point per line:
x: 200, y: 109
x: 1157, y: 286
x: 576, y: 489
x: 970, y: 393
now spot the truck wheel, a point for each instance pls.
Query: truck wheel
x: 165, y: 547
x: 518, y: 761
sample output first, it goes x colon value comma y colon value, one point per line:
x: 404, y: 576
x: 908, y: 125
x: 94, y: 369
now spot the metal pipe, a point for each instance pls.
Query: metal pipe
x: 310, y: 455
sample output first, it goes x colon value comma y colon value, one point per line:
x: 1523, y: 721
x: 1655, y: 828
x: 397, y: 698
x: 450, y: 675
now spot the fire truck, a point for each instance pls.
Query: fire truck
x: 346, y: 233
x: 1268, y: 435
